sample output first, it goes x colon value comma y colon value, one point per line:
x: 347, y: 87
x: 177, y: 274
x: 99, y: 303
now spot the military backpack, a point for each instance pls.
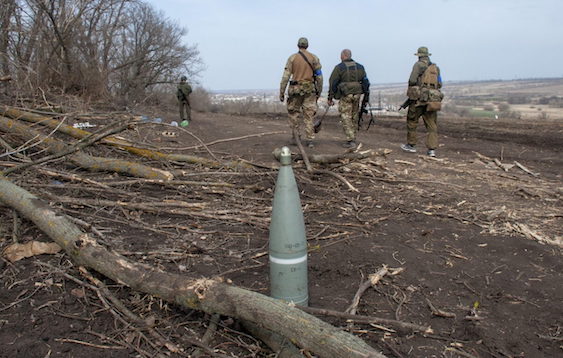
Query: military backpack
x: 429, y: 89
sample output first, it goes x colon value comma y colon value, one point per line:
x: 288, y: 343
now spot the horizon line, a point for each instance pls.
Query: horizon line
x: 398, y: 84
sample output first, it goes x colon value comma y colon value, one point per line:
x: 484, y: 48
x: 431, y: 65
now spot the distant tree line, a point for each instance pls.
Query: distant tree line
x: 96, y: 48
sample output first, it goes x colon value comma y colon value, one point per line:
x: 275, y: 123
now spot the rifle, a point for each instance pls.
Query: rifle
x: 365, y: 103
x: 319, y: 121
x: 184, y: 97
x: 407, y: 103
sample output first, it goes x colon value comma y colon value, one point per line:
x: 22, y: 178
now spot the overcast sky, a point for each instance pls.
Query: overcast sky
x: 245, y: 43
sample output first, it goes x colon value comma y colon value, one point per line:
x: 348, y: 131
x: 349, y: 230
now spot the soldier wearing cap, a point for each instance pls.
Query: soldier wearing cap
x: 347, y: 83
x: 183, y: 93
x: 418, y: 108
x: 303, y: 73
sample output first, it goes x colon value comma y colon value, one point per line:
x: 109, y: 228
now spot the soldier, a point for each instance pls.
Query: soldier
x: 347, y: 83
x: 183, y: 92
x: 303, y: 73
x: 423, y: 91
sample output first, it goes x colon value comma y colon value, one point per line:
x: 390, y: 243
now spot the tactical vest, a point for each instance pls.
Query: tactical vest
x: 350, y: 82
x: 430, y: 77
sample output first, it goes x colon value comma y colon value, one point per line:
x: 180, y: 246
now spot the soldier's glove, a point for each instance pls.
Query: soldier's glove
x: 282, y: 97
x: 330, y: 102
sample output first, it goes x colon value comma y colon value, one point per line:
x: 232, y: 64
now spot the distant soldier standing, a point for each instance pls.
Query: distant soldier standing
x: 183, y: 93
x: 347, y: 83
x: 303, y: 73
x: 425, y: 100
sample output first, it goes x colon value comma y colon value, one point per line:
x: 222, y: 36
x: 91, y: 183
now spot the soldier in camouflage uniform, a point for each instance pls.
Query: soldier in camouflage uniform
x: 418, y: 108
x: 303, y: 73
x: 347, y: 83
x: 182, y: 93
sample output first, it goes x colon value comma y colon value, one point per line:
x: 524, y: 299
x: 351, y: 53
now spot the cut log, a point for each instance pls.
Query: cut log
x: 211, y: 296
x: 82, y: 159
x: 328, y: 158
x: 338, y: 158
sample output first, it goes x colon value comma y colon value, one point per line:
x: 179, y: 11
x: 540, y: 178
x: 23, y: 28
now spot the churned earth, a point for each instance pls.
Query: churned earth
x: 478, y: 239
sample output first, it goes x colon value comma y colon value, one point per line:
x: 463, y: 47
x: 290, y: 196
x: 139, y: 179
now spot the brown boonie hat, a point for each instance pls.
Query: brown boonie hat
x: 422, y: 51
x: 303, y: 42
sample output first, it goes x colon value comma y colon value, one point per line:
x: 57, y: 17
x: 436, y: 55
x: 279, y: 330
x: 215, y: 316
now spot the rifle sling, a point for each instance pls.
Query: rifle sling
x: 312, y: 69
x: 309, y: 63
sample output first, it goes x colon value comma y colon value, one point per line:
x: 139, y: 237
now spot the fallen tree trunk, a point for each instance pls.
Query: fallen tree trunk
x: 338, y: 158
x: 212, y: 296
x: 82, y: 159
x: 116, y: 142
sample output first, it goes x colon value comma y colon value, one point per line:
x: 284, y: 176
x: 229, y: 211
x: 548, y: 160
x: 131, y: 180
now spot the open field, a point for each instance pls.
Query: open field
x: 479, y: 242
x: 526, y: 99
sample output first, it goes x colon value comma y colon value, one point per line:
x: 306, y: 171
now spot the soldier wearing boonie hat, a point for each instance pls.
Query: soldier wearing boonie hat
x: 417, y: 84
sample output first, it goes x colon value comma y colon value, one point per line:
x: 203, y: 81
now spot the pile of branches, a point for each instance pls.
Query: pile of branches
x: 47, y: 180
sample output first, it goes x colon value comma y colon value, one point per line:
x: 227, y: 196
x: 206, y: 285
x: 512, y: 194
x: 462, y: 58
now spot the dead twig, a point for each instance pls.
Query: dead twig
x: 461, y: 353
x: 303, y: 152
x: 208, y: 335
x: 16, y: 226
x: 372, y: 281
x: 99, y: 346
x: 168, y: 183
x: 505, y: 167
x: 122, y: 343
x: 437, y: 312
x: 73, y: 177
x: 20, y: 300
x: 223, y: 141
x: 405, y: 326
x: 526, y: 169
x: 339, y: 177
x: 551, y: 338
x: 202, y: 144
x: 25, y: 146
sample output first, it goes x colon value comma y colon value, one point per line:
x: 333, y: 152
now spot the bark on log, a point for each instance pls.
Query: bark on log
x: 337, y: 158
x: 82, y: 159
x: 212, y: 296
x: 277, y: 343
x: 116, y: 142
x: 329, y: 158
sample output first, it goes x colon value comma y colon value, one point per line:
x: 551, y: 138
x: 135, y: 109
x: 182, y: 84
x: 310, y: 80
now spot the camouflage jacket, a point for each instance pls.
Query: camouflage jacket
x: 184, y: 90
x: 298, y: 70
x: 348, y: 77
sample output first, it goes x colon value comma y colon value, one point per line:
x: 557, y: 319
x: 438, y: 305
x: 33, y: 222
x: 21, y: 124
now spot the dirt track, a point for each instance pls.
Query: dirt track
x: 457, y: 225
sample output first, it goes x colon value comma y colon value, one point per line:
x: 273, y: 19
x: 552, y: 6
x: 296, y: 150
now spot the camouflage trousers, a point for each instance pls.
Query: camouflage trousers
x: 430, y: 122
x: 349, y: 107
x: 185, y: 110
x: 302, y: 104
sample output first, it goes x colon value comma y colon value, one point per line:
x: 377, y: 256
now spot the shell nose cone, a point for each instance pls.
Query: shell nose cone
x: 285, y: 156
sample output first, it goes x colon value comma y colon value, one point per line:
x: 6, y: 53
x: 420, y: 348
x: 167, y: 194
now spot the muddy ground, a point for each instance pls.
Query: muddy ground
x: 480, y: 243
